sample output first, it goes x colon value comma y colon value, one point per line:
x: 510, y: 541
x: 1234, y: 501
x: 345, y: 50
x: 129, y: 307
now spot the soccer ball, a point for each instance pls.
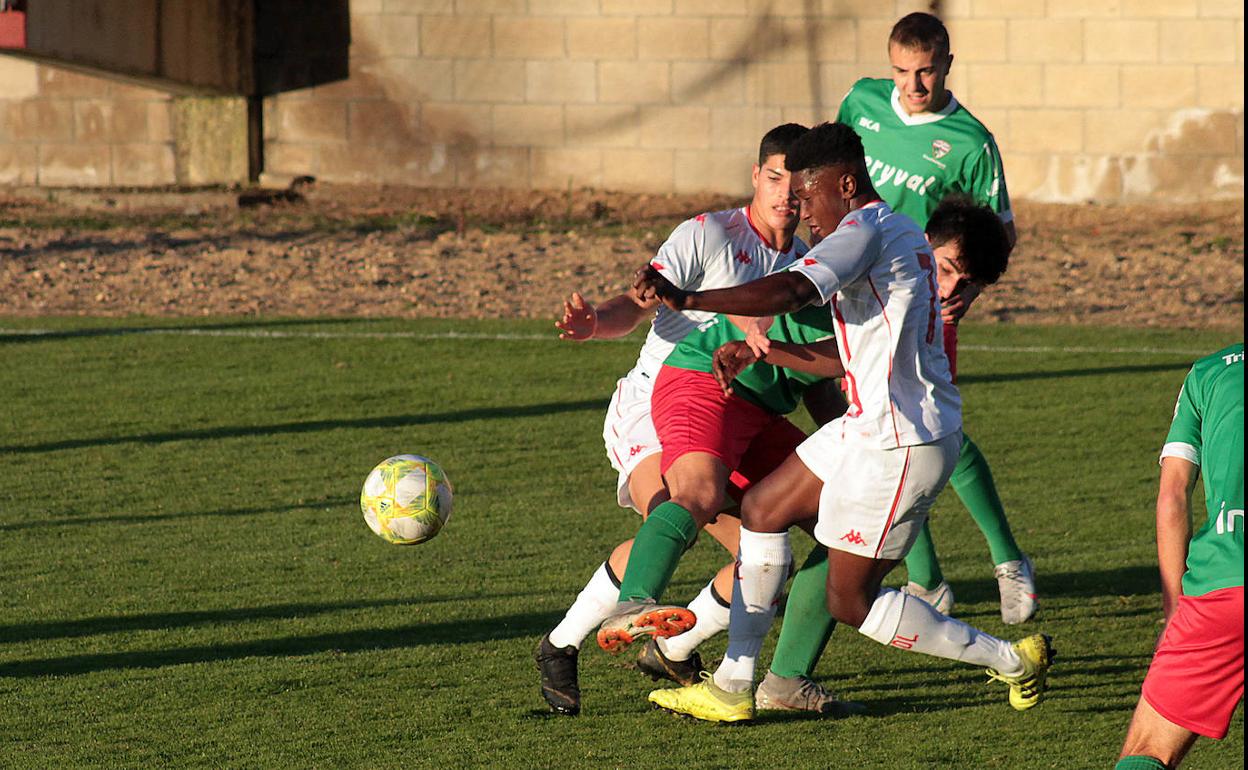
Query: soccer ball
x: 406, y: 499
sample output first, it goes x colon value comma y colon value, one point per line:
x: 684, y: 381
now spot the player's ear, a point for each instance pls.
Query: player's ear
x: 848, y: 185
x: 754, y: 176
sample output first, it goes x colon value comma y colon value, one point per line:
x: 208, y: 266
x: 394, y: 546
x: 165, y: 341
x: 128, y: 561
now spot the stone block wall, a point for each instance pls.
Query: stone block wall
x: 60, y: 128
x: 1089, y: 99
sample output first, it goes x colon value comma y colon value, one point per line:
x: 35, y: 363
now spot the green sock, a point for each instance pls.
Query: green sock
x: 666, y: 533
x: 807, y: 623
x: 1139, y: 762
x: 922, y: 565
x: 972, y: 480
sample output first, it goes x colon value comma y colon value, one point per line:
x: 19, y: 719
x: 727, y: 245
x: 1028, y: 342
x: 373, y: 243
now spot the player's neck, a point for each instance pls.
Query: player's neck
x: 865, y: 197
x: 938, y: 104
x: 781, y: 239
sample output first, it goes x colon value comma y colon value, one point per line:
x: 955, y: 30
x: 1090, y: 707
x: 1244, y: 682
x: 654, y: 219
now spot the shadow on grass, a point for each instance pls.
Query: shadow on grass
x: 1135, y: 580
x: 21, y: 336
x: 140, y: 518
x: 362, y: 640
x: 314, y: 426
x: 1057, y: 374
x: 157, y: 621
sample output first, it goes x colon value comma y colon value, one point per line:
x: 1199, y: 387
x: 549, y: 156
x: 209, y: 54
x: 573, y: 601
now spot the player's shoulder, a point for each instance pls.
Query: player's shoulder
x: 1213, y: 364
x: 871, y: 88
x: 970, y: 125
x: 708, y: 224
x: 725, y: 227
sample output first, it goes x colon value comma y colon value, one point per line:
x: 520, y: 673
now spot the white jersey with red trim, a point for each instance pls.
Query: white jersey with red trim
x: 711, y: 251
x: 877, y: 273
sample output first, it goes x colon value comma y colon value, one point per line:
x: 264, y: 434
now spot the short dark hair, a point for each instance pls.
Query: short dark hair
x: 920, y: 31
x: 979, y: 233
x: 827, y: 144
x: 778, y: 140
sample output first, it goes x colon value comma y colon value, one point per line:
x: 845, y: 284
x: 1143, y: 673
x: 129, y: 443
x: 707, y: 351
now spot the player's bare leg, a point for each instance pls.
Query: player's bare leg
x: 696, y: 483
x: 1153, y: 741
x: 894, y: 618
x: 787, y: 496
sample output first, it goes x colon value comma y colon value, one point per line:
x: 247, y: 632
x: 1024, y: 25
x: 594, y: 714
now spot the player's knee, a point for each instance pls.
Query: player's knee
x: 703, y: 501
x: 848, y: 607
x: 758, y: 516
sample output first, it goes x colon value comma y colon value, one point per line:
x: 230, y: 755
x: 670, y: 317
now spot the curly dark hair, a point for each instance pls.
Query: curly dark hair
x: 778, y: 140
x: 827, y: 144
x: 979, y: 233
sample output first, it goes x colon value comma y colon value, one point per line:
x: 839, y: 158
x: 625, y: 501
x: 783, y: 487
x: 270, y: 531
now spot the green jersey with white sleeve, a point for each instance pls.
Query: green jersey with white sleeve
x: 1208, y: 431
x: 916, y: 160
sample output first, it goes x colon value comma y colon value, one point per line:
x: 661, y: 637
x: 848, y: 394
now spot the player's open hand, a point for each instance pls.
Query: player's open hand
x: 648, y: 285
x: 756, y: 336
x: 953, y: 307
x: 729, y: 360
x: 579, y: 320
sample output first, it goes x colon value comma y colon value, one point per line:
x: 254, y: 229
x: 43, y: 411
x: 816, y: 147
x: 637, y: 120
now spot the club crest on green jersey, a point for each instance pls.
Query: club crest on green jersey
x: 941, y: 148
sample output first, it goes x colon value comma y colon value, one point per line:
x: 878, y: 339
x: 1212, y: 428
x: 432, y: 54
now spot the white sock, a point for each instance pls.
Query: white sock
x: 712, y: 616
x: 593, y: 604
x: 762, y: 567
x: 909, y: 623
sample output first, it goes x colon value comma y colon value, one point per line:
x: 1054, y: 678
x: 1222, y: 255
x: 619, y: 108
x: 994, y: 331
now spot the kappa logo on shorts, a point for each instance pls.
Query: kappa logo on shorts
x: 635, y: 450
x: 853, y: 537
x: 743, y: 258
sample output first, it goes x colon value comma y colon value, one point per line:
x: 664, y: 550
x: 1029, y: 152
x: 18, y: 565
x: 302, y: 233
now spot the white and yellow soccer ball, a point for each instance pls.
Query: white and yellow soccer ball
x: 406, y: 499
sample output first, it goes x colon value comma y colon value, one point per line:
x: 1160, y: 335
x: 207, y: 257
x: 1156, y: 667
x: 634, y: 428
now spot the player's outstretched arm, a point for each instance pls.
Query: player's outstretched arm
x: 771, y: 295
x: 1174, y: 527
x: 614, y: 318
x: 819, y: 358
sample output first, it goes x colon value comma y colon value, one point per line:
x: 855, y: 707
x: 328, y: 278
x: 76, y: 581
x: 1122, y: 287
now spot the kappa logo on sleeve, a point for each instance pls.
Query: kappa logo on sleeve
x: 743, y: 257
x: 808, y: 261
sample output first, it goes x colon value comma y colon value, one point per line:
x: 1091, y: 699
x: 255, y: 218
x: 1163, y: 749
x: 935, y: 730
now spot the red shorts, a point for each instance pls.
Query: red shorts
x: 1197, y: 675
x: 692, y: 414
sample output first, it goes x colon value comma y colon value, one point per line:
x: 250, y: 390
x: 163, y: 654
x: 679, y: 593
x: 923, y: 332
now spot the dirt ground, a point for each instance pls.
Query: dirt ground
x: 351, y: 251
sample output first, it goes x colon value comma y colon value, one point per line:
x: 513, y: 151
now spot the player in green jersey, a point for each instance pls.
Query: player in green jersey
x: 921, y: 145
x: 1197, y: 676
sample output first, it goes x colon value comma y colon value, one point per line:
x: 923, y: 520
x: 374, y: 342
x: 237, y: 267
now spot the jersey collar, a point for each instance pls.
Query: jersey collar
x: 766, y: 241
x: 922, y: 118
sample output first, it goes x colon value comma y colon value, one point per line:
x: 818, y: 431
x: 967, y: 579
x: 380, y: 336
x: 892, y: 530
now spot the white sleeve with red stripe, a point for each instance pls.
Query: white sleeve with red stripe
x: 841, y: 258
x: 680, y: 257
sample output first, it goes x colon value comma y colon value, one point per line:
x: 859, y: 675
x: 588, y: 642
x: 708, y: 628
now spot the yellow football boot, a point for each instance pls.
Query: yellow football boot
x: 1027, y: 688
x: 706, y: 701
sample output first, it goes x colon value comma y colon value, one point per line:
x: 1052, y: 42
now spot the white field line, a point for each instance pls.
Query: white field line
x: 454, y: 335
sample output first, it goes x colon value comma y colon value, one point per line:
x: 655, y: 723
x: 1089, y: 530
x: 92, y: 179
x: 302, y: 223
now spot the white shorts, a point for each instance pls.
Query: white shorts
x: 628, y: 431
x: 874, y: 501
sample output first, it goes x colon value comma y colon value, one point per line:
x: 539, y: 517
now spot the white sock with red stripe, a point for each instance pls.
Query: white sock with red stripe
x: 909, y: 623
x: 762, y: 568
x: 593, y: 604
x: 712, y: 613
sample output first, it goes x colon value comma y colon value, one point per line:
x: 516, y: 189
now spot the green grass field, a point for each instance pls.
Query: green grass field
x: 189, y: 582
